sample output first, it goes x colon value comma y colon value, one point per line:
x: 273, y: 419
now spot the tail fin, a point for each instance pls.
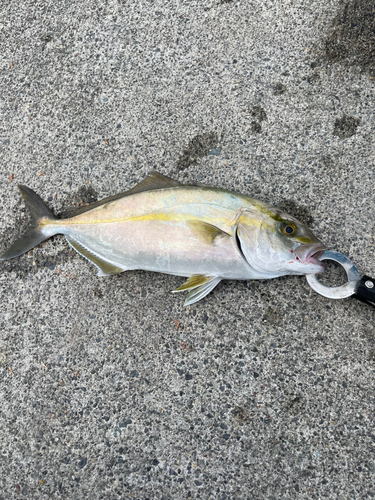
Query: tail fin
x: 34, y: 235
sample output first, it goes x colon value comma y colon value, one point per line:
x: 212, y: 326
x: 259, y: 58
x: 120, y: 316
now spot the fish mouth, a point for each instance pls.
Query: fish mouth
x: 309, y: 254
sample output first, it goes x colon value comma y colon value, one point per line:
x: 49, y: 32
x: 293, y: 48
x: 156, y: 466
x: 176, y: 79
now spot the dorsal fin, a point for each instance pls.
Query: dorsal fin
x: 154, y: 180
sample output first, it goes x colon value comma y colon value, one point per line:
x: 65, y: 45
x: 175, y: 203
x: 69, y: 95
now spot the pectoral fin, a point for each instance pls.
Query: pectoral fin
x: 199, y: 285
x: 207, y: 233
x: 105, y: 268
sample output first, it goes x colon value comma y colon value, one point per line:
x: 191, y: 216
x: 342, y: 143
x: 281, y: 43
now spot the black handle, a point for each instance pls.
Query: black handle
x: 366, y: 291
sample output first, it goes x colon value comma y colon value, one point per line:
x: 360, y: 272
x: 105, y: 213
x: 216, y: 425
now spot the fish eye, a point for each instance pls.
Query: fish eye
x: 289, y: 229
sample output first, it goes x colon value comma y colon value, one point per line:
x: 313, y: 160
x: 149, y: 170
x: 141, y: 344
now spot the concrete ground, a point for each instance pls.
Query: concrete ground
x: 110, y: 388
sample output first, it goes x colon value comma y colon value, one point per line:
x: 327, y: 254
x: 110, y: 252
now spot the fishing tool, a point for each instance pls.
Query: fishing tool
x: 362, y: 289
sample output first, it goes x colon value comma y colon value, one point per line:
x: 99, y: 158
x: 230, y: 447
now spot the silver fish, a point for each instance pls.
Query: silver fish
x: 203, y: 233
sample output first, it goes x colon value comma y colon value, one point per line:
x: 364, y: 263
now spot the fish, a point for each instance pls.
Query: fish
x: 202, y: 233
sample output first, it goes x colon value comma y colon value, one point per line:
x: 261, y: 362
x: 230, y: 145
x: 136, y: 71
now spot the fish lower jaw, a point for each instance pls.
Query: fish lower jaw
x: 308, y: 266
x: 313, y: 266
x: 313, y: 260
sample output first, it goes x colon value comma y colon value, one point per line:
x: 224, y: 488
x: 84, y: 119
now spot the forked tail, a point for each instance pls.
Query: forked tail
x: 34, y: 234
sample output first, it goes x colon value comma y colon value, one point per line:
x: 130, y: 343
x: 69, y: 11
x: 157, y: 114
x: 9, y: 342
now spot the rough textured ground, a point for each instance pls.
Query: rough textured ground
x: 110, y: 389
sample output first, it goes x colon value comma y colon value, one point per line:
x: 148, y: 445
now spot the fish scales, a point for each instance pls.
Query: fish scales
x: 155, y: 232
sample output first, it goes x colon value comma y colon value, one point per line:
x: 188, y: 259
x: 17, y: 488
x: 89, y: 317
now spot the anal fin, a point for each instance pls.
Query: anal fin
x: 199, y: 286
x: 105, y: 268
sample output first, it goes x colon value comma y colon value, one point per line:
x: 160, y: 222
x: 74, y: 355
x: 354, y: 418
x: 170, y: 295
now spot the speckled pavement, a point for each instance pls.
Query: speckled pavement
x: 110, y: 388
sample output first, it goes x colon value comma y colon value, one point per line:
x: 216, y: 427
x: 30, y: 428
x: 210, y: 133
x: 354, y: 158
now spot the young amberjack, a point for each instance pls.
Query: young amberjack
x: 204, y: 233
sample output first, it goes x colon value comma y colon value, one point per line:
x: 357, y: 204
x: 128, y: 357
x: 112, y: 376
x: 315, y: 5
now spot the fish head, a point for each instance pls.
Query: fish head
x: 276, y: 244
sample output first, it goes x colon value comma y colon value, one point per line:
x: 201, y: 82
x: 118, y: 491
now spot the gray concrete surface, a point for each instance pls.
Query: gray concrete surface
x: 110, y: 389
